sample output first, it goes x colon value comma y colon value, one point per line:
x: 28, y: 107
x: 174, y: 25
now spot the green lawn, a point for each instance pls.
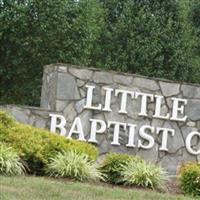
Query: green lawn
x: 37, y: 188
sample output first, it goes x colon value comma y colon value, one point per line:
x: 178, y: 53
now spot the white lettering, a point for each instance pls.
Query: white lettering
x: 144, y: 96
x: 117, y: 126
x: 178, y: 110
x: 123, y: 99
x: 189, y: 145
x: 61, y: 125
x: 107, y: 99
x: 94, y: 130
x: 77, y: 128
x: 147, y: 137
x: 89, y: 99
x: 158, y: 108
x: 131, y: 137
x: 164, y: 132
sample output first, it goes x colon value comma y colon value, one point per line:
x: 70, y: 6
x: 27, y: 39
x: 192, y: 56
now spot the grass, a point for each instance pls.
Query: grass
x: 40, y: 188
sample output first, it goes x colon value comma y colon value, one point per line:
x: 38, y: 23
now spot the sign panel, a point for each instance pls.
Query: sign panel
x: 158, y: 120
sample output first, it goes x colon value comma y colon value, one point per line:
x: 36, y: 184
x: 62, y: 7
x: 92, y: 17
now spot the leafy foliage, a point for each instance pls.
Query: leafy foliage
x: 113, y: 164
x: 6, y: 120
x: 143, y: 174
x: 10, y: 162
x: 195, y: 20
x: 73, y: 165
x: 34, y: 33
x: 150, y: 37
x: 36, y: 146
x: 190, y: 179
x: 147, y: 37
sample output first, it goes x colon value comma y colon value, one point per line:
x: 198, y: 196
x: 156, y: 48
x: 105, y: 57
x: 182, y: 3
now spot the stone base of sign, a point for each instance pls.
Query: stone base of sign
x: 64, y: 92
x: 39, y: 117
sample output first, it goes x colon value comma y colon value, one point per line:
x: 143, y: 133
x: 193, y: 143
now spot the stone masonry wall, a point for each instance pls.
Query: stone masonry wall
x: 64, y: 92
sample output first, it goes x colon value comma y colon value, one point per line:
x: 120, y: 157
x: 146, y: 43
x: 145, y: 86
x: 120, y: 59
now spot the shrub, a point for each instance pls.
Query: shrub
x: 36, y: 146
x: 73, y: 165
x: 143, y: 174
x: 190, y: 179
x: 10, y: 162
x: 113, y: 164
x: 6, y: 120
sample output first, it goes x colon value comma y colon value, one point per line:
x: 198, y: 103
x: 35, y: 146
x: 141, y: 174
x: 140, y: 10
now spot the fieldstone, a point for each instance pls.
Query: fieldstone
x: 191, y: 124
x: 133, y: 108
x: 104, y: 147
x: 150, y: 155
x: 174, y: 142
x: 114, y: 100
x: 79, y: 106
x: 145, y: 83
x: 82, y: 93
x: 198, y: 158
x: 190, y: 91
x: 192, y: 110
x: 103, y: 77
x: 67, y: 87
x: 48, y: 95
x: 188, y: 157
x: 32, y: 119
x: 83, y: 74
x: 100, y: 136
x: 118, y: 149
x: 169, y: 102
x: 99, y: 116
x: 21, y: 115
x: 151, y: 106
x: 164, y: 111
x: 114, y: 115
x: 80, y: 83
x: 47, y: 79
x: 157, y: 122
x: 186, y: 130
x: 40, y: 112
x: 169, y: 89
x: 85, y: 117
x: 171, y: 162
x: 124, y: 80
x: 50, y: 68
x: 62, y: 69
x: 40, y: 123
x: 198, y: 125
x: 60, y: 105
x: 96, y: 97
x: 69, y: 112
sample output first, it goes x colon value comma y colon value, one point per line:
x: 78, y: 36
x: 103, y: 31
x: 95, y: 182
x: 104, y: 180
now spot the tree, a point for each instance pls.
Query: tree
x: 157, y: 38
x: 146, y: 37
x: 34, y: 33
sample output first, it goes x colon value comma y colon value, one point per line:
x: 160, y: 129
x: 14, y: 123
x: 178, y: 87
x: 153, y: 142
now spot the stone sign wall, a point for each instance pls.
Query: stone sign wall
x: 156, y: 119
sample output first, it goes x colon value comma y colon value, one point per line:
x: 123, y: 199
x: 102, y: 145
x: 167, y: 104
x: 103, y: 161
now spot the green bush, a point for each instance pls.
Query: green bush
x: 73, y: 165
x: 190, y: 179
x: 10, y: 162
x: 37, y: 146
x: 113, y: 164
x: 34, y: 33
x: 6, y: 120
x: 143, y: 174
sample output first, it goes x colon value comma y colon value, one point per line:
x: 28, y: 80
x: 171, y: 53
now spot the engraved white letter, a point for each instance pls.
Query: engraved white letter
x: 60, y: 126
x: 89, y: 98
